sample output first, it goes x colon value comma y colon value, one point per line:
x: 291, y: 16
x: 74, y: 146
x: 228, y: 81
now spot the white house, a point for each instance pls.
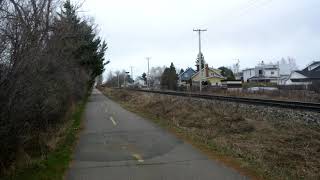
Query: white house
x: 140, y: 83
x: 297, y: 78
x: 283, y: 79
x: 262, y: 73
x: 306, y: 76
x: 248, y: 73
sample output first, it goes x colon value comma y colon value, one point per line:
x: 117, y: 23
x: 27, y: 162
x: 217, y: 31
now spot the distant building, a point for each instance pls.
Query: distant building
x: 248, y: 73
x: 266, y: 73
x: 238, y: 76
x: 140, y: 83
x: 185, y: 77
x: 262, y: 73
x: 307, y: 76
x: 209, y: 75
x: 283, y: 79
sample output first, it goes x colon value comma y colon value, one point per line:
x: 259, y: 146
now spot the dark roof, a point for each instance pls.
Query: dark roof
x: 314, y: 73
x: 187, y: 74
x: 313, y: 63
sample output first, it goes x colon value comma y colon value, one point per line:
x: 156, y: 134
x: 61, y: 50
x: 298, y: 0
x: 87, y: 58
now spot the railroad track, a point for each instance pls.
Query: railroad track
x: 266, y: 102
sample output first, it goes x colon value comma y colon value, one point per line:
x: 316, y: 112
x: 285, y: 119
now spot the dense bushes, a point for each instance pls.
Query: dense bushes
x: 49, y: 59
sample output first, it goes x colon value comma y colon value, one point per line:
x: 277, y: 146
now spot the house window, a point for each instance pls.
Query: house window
x: 272, y: 72
x: 260, y: 72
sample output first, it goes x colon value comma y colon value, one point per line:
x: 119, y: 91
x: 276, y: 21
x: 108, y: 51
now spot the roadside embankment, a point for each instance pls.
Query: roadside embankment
x: 271, y: 143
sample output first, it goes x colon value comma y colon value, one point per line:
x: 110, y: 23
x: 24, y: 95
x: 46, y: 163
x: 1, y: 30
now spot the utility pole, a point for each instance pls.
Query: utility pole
x: 131, y: 72
x: 148, y: 76
x: 200, y: 57
x: 279, y: 73
x: 124, y: 79
x: 118, y: 80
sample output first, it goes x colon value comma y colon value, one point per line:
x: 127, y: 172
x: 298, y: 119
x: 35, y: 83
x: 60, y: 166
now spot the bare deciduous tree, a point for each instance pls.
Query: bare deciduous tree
x: 48, y: 61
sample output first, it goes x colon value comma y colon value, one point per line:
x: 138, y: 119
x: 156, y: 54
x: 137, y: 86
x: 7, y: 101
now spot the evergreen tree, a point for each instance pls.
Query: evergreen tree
x: 226, y: 72
x: 200, y: 57
x: 129, y: 79
x: 169, y: 78
x: 144, y: 77
x: 181, y: 71
x: 79, y: 41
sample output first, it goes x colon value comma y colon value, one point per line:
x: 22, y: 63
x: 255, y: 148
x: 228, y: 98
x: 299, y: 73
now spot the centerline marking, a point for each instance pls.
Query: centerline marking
x: 138, y: 158
x: 113, y: 121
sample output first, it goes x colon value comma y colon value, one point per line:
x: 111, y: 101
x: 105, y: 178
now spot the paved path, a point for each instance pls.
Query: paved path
x: 119, y: 145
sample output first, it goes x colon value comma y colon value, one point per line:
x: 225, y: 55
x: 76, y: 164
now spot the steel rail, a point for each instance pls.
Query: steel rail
x: 256, y: 101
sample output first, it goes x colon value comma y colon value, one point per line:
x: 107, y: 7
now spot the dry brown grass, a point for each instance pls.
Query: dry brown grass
x: 275, y: 148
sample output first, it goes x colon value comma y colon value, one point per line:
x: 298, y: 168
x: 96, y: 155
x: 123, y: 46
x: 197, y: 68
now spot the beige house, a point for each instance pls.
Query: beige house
x: 210, y: 75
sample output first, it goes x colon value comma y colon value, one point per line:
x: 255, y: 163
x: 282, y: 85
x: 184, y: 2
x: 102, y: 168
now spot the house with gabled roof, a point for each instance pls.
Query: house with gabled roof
x: 210, y: 75
x: 185, y: 77
x: 307, y: 76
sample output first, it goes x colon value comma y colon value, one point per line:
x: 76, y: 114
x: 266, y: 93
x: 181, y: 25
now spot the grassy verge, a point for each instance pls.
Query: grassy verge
x: 254, y: 142
x: 54, y: 166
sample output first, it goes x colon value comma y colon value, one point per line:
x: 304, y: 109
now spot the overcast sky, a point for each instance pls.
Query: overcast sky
x: 248, y: 30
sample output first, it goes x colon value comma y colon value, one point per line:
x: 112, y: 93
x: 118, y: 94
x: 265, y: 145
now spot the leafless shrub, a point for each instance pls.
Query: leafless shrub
x: 41, y: 74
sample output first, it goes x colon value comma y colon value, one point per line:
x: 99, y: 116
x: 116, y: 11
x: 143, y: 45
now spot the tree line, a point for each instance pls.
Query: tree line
x: 159, y: 77
x: 49, y: 58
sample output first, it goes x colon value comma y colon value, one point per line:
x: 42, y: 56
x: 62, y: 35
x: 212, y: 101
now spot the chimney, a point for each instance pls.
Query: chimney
x: 206, y: 70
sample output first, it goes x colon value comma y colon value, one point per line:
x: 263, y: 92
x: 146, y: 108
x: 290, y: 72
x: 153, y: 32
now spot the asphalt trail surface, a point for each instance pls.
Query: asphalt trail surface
x: 119, y: 145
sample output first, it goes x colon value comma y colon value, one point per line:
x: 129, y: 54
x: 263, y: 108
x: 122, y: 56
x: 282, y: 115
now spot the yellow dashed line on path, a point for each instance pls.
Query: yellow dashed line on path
x: 113, y: 121
x: 138, y: 158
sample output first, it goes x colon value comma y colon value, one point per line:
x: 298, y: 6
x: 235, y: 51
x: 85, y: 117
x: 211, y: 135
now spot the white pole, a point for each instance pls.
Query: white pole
x: 278, y: 73
x: 118, y: 81
x: 200, y: 61
x: 200, y: 57
x: 148, y: 76
x: 124, y: 80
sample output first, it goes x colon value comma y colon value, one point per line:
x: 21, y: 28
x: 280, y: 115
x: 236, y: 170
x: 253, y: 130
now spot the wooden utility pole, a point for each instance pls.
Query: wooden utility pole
x: 125, y: 79
x: 148, y: 76
x: 118, y: 80
x: 200, y: 56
